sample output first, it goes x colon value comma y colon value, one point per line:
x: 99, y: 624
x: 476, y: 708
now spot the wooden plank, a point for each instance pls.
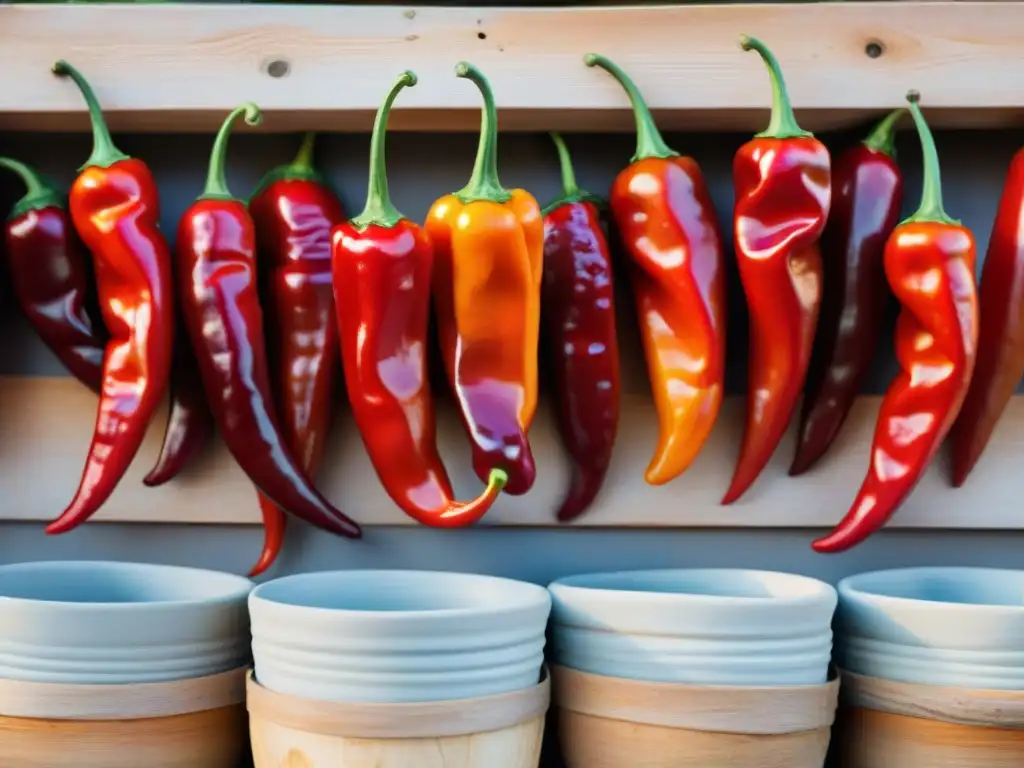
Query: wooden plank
x: 45, y: 425
x: 182, y: 67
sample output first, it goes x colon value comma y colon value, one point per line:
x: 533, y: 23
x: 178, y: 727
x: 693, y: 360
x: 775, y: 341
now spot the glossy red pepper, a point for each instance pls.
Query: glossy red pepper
x: 52, y: 277
x: 668, y: 227
x: 382, y: 281
x: 929, y: 262
x: 867, y: 190
x: 783, y: 190
x: 578, y: 310
x: 116, y: 209
x: 189, y: 420
x: 1000, y: 362
x: 216, y: 250
x: 294, y: 210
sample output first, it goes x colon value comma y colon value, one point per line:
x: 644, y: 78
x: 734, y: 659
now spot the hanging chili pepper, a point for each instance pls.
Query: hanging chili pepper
x: 115, y: 207
x: 1000, y: 362
x: 667, y: 224
x: 216, y: 250
x: 578, y: 311
x: 867, y: 189
x: 782, y: 180
x: 52, y: 277
x: 489, y: 251
x: 294, y: 210
x: 382, y: 267
x: 929, y: 262
x: 189, y: 420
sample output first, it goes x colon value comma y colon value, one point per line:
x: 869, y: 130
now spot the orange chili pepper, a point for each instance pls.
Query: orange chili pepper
x: 489, y: 251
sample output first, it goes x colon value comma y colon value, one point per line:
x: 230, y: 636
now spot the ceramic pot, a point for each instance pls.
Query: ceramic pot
x: 607, y: 722
x: 184, y: 724
x: 959, y: 627
x: 501, y: 731
x: 695, y: 627
x: 883, y: 724
x: 96, y: 622
x: 397, y: 636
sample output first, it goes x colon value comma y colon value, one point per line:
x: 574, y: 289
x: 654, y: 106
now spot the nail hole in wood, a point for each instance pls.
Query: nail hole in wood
x: 278, y: 68
x: 481, y: 35
x: 874, y: 49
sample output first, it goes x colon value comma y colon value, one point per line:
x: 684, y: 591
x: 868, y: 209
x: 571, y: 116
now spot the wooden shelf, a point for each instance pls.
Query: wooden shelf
x: 182, y: 67
x: 45, y: 425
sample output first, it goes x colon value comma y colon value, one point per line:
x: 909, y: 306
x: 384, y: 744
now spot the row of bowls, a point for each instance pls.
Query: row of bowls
x: 425, y: 635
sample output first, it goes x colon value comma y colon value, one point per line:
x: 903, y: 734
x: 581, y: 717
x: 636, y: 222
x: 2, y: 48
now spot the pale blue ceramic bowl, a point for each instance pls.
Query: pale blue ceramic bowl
x: 397, y: 636
x: 961, y: 627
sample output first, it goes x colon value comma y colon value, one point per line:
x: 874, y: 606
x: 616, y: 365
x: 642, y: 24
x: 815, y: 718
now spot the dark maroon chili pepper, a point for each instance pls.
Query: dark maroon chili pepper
x: 52, y: 277
x: 867, y: 189
x: 578, y: 311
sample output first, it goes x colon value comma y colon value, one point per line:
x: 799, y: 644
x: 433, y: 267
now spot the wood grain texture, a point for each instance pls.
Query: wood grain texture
x: 46, y: 423
x: 182, y: 67
x: 211, y: 739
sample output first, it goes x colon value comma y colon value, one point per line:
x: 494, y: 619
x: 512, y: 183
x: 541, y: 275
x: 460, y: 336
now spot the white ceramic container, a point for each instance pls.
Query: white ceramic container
x: 98, y: 622
x: 695, y: 626
x: 961, y: 627
x: 397, y: 636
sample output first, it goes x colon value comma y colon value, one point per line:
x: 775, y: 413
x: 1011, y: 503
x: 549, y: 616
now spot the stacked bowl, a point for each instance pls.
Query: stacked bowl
x: 397, y: 668
x: 933, y: 668
x: 122, y: 664
x: 693, y: 668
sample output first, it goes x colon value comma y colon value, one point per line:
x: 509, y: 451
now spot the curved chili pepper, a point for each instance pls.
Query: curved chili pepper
x: 668, y: 227
x: 52, y: 277
x: 294, y: 210
x: 1000, y: 362
x: 382, y: 267
x: 488, y: 257
x: 782, y: 180
x: 578, y: 311
x: 216, y: 251
x: 189, y: 420
x: 116, y: 209
x: 867, y: 189
x: 929, y: 262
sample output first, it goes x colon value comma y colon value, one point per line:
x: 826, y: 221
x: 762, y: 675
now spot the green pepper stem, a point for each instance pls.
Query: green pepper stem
x: 569, y: 186
x: 782, y: 124
x: 216, y: 175
x: 379, y: 209
x: 484, y: 183
x: 304, y: 157
x: 883, y: 137
x: 38, y: 194
x: 649, y: 141
x: 931, y: 209
x: 104, y: 152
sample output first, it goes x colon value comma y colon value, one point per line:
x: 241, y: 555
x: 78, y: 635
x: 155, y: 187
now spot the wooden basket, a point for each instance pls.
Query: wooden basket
x: 610, y: 722
x: 503, y: 731
x: 885, y: 724
x: 197, y: 723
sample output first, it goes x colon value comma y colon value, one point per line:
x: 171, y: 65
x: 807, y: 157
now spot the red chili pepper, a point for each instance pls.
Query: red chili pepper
x: 1000, y: 362
x: 667, y: 224
x: 929, y: 262
x: 216, y: 250
x: 382, y: 280
x: 294, y: 210
x: 783, y: 192
x: 867, y: 189
x: 189, y: 420
x: 116, y: 209
x: 578, y: 308
x: 53, y: 278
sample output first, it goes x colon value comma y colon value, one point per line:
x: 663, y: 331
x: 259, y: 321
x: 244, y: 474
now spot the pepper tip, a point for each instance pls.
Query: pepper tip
x: 462, y: 69
x: 746, y: 42
x: 913, y: 96
x: 59, y: 67
x: 253, y: 114
x: 409, y: 78
x: 590, y: 59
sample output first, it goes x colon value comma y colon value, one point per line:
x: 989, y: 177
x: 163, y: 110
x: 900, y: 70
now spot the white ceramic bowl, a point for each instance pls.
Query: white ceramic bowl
x: 695, y: 626
x: 934, y: 626
x: 96, y: 622
x: 397, y: 636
